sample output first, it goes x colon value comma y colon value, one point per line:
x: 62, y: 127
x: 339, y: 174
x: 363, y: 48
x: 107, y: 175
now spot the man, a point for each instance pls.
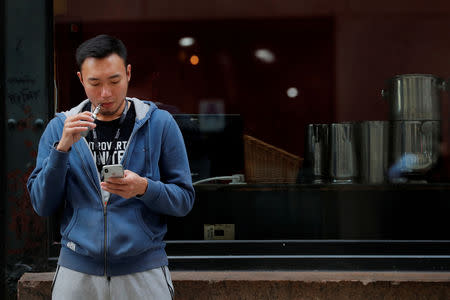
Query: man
x: 112, y: 232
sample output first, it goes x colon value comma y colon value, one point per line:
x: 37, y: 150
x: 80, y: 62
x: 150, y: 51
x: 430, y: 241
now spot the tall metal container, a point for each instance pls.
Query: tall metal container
x: 415, y: 113
x: 415, y: 146
x: 414, y: 97
x: 343, y: 152
x: 374, y: 151
x: 316, y: 163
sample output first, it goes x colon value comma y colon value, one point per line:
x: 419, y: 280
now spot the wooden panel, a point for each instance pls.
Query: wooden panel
x: 204, y: 9
x: 228, y: 70
x: 370, y: 50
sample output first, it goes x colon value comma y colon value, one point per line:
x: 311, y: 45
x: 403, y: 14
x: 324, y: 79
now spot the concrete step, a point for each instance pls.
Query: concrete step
x: 273, y: 285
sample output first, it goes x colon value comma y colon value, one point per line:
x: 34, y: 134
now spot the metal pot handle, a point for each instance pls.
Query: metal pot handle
x: 443, y: 85
x: 426, y: 129
x: 384, y: 94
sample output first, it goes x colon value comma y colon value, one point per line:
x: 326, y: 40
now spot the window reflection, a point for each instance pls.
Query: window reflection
x: 296, y: 106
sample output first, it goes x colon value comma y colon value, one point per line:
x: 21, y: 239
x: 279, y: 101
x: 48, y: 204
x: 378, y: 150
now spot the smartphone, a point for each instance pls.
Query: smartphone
x: 109, y: 171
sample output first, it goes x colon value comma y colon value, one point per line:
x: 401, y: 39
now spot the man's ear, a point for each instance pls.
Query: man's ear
x: 129, y: 72
x: 80, y: 77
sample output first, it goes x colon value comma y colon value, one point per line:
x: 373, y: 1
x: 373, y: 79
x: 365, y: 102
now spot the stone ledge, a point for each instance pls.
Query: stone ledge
x: 312, y: 276
x: 274, y: 285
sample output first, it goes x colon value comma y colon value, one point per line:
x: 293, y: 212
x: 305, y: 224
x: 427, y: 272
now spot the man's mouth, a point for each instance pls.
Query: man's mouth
x: 106, y: 105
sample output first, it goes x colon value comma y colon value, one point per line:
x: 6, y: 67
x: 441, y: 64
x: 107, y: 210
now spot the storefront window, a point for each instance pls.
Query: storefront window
x: 325, y: 128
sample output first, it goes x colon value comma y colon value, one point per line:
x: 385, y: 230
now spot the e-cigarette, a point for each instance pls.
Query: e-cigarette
x: 94, y: 115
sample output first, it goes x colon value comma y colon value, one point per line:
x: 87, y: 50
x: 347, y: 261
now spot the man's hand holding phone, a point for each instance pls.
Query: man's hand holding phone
x: 127, y: 186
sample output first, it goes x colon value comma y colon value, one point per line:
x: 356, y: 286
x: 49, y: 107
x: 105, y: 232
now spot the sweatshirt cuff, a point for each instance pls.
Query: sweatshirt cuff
x: 55, y: 145
x: 152, y: 193
x: 56, y: 158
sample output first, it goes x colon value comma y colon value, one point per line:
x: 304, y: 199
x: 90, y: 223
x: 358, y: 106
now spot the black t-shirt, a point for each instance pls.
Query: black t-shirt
x: 106, y: 131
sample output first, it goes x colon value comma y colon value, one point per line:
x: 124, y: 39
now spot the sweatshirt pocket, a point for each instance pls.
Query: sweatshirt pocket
x: 84, y: 233
x: 72, y: 222
x: 127, y: 233
x: 147, y: 230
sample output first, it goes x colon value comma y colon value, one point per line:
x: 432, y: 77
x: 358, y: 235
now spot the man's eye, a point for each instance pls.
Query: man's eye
x: 115, y: 82
x: 95, y: 84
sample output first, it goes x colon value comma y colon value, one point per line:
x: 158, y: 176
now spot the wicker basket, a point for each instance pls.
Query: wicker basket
x: 265, y: 163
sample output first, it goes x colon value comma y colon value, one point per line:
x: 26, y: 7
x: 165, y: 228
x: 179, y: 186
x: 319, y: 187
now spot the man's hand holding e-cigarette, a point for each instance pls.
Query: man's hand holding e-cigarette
x: 75, y: 127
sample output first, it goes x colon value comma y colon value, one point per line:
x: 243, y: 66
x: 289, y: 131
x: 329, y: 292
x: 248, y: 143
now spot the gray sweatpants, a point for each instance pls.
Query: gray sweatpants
x: 151, y: 284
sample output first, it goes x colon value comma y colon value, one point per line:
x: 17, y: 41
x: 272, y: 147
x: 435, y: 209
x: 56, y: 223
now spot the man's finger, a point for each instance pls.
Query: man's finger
x: 111, y: 190
x: 116, y: 180
x: 82, y: 116
x: 74, y: 130
x: 113, y: 186
x: 80, y: 124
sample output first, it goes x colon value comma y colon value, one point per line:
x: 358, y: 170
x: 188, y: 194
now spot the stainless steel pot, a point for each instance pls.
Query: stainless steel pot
x: 374, y: 151
x: 343, y: 152
x: 316, y: 163
x: 414, y: 97
x: 416, y: 146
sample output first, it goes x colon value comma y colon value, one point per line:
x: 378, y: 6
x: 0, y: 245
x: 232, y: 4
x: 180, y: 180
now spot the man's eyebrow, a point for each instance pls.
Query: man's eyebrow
x: 110, y: 77
x: 114, y: 76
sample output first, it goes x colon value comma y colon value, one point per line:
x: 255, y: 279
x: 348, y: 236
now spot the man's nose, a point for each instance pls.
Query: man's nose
x: 106, y: 92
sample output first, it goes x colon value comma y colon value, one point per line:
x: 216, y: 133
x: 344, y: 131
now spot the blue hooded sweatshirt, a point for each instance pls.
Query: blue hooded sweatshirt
x: 126, y: 235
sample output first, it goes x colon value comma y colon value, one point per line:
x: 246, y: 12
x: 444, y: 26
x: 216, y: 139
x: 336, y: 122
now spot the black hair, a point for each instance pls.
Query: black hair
x: 100, y: 46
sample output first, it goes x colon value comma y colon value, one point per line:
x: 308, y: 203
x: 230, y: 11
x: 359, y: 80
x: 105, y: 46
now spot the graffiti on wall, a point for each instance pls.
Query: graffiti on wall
x: 24, y: 223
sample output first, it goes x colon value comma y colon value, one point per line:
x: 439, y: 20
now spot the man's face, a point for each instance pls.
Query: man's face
x: 105, y: 81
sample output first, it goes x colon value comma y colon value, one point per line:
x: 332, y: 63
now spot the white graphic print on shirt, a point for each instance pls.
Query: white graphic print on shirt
x: 103, y: 151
